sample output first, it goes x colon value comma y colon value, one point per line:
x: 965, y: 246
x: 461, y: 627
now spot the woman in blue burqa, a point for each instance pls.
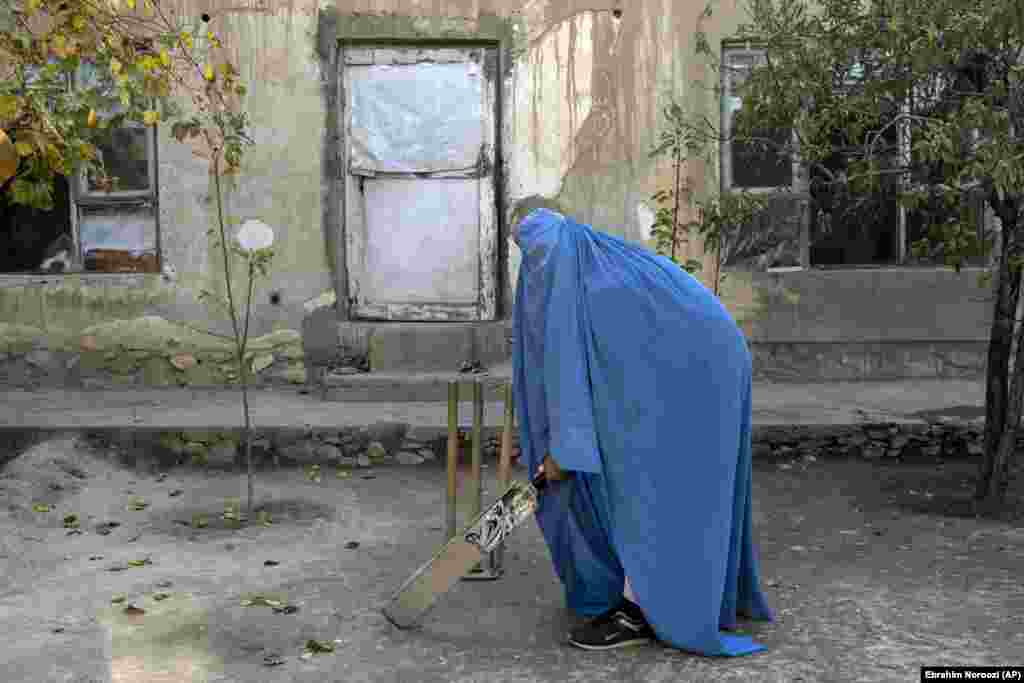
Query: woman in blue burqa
x: 632, y: 384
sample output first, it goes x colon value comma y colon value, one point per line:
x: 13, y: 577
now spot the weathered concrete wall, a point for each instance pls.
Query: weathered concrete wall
x: 587, y: 82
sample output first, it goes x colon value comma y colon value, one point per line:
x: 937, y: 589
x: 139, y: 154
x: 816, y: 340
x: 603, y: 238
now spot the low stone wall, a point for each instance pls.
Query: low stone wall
x: 147, y: 351
x: 944, y: 437
x: 395, y: 443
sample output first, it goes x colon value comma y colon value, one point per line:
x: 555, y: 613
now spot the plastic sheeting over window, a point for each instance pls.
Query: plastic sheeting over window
x: 118, y: 239
x: 416, y: 118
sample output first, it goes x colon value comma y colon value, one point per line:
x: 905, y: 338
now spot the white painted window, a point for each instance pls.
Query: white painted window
x: 420, y: 209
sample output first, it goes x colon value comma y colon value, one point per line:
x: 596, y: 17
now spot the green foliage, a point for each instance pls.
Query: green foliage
x: 848, y: 76
x: 724, y: 221
x: 926, y: 93
x: 70, y: 70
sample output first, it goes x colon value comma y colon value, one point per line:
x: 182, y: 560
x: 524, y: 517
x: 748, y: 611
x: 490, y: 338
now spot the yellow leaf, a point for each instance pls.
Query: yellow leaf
x: 56, y: 158
x: 8, y: 107
x: 165, y: 58
x: 186, y: 38
x: 33, y: 6
x: 8, y: 158
x: 91, y: 122
x: 130, y: 3
x: 87, y: 151
x: 210, y: 36
x: 23, y: 148
x: 150, y: 117
x: 78, y: 23
x: 115, y: 66
x: 208, y: 73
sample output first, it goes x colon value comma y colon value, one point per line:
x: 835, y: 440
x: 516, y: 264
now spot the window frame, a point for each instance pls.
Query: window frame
x: 83, y: 200
x: 726, y: 183
x: 797, y: 185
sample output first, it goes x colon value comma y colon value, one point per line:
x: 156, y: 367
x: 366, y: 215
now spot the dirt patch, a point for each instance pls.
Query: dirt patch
x: 183, y: 520
x: 868, y: 564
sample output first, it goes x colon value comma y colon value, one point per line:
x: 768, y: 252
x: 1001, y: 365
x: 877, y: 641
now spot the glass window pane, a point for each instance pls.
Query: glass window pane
x: 125, y: 155
x: 119, y: 239
x: 756, y: 165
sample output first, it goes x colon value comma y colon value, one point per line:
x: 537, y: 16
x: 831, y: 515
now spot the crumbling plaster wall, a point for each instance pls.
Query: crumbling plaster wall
x: 587, y: 82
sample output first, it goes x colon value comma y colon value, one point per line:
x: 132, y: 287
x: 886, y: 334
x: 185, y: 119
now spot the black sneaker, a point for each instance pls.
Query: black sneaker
x: 620, y: 626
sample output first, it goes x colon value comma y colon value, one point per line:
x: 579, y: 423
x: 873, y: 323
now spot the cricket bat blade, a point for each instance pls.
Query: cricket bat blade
x: 488, y: 531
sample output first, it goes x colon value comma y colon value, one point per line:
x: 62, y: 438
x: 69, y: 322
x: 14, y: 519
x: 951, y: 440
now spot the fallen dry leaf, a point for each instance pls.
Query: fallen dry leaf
x: 287, y: 609
x: 261, y: 601
x: 318, y: 647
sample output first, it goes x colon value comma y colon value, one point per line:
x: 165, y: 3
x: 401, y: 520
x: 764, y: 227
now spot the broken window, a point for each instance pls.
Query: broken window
x: 91, y: 228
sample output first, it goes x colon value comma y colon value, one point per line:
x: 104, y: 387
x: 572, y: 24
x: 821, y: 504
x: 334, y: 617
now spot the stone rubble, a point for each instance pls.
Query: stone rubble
x: 388, y: 443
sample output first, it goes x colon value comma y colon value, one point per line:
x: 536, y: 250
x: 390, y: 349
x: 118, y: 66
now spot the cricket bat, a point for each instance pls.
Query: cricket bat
x: 429, y: 583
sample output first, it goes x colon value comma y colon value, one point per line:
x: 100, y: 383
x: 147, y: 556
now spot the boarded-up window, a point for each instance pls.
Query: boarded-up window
x: 417, y: 118
x: 421, y: 218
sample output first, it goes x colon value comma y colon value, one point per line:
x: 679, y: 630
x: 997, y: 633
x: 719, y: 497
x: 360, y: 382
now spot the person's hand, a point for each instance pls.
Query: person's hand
x: 551, y: 471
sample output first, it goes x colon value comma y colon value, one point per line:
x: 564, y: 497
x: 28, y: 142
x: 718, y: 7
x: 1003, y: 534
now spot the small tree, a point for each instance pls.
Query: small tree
x: 728, y: 225
x: 926, y: 95
x: 146, y: 60
x: 726, y: 222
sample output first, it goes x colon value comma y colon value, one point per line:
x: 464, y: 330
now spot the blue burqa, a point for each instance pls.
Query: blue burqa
x: 635, y: 378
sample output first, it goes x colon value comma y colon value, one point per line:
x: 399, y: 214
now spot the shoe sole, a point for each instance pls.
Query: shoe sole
x: 625, y: 643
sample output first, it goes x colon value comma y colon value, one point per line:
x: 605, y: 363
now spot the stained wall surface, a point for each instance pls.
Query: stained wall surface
x: 584, y: 84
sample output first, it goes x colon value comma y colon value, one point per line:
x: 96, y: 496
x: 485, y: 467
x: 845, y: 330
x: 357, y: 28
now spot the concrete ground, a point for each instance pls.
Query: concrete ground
x: 838, y: 403
x: 873, y: 568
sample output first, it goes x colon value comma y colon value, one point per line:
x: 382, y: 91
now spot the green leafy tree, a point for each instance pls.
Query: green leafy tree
x: 726, y: 222
x: 72, y: 69
x: 923, y: 98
